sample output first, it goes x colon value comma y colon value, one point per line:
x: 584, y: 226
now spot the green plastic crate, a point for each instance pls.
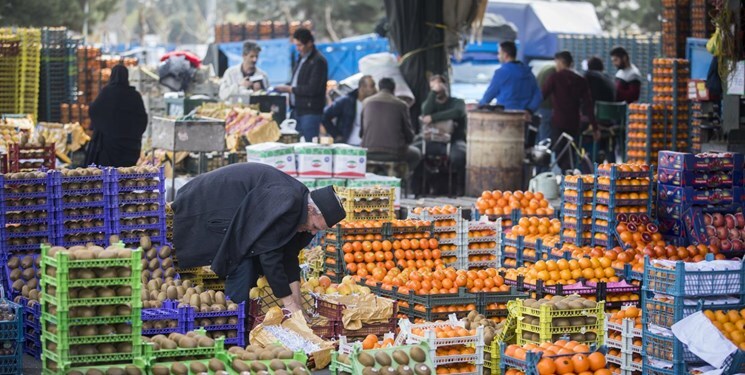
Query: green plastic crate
x: 138, y: 362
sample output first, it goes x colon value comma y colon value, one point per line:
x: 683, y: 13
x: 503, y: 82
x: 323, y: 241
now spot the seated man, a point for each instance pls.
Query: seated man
x: 342, y: 118
x: 386, y: 130
x: 440, y: 106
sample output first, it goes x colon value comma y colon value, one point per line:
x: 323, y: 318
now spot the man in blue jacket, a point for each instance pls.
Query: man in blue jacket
x: 513, y: 84
x: 342, y: 118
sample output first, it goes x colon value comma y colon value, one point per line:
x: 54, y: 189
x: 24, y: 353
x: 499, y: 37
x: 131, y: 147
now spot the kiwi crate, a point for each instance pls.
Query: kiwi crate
x: 217, y: 323
x: 27, y: 211
x: 80, y: 324
x: 268, y: 359
x: 167, y: 349
x: 81, y: 205
x: 417, y: 355
x: 492, y: 352
x: 549, y: 323
x: 27, y: 158
x: 133, y: 193
x: 31, y: 326
x: 368, y: 203
x: 22, y: 273
x: 163, y: 321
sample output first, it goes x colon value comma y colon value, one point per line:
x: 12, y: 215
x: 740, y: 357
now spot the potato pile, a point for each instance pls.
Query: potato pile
x: 276, y: 358
x: 24, y: 273
x: 156, y: 263
x: 491, y: 328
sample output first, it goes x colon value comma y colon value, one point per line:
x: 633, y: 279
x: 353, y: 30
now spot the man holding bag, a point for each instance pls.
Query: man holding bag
x: 445, y: 117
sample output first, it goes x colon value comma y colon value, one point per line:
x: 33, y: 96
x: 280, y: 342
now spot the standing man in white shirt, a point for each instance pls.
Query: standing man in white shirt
x: 342, y: 117
x: 245, y: 78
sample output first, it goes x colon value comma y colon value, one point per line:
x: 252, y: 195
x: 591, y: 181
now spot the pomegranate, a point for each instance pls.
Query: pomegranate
x: 740, y: 218
x: 715, y: 242
x: 711, y: 231
x: 738, y: 245
x: 734, y: 234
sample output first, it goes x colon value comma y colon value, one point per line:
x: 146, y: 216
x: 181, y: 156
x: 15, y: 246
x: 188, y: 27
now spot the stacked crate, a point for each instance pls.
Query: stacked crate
x: 701, y: 25
x: 10, y: 80
x: 576, y: 213
x: 31, y: 157
x: 71, y: 69
x: 373, y: 203
x: 482, y: 249
x: 29, y: 74
x: 230, y: 324
x: 581, y: 320
x: 81, y: 203
x: 645, y: 134
x: 75, y: 112
x: 334, y: 311
x: 54, y: 72
x: 676, y: 27
x: 91, y: 307
x: 672, y: 291
x: 137, y: 204
x: 89, y: 73
x: 624, y: 344
x: 620, y: 189
x: 31, y: 325
x: 670, y: 88
x: 469, y: 344
x: 11, y: 338
x: 451, y: 231
x: 28, y: 210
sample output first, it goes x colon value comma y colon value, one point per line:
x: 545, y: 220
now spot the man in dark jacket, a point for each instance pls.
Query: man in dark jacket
x: 628, y: 77
x: 386, y: 131
x: 249, y: 219
x: 308, y: 87
x: 601, y: 85
x: 570, y: 96
x: 347, y: 111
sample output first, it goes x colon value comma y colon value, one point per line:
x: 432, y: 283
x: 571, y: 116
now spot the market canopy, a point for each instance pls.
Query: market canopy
x: 539, y: 23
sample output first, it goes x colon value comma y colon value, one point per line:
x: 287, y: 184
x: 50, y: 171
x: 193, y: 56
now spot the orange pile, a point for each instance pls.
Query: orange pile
x: 445, y: 332
x: 626, y: 167
x: 447, y: 309
x: 437, y: 210
x: 371, y: 342
x: 477, y: 245
x: 631, y: 312
x: 562, y: 358
x: 375, y: 258
x: 731, y: 323
x: 639, y: 235
x: 503, y: 203
x: 639, y: 181
x: 456, y: 368
x: 535, y: 227
x: 566, y: 272
x: 452, y: 350
x: 481, y: 257
x: 448, y: 281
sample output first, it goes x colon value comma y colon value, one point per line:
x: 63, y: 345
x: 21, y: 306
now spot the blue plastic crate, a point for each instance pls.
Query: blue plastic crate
x: 12, y: 330
x: 179, y: 315
x: 678, y: 368
x: 666, y: 348
x: 678, y: 282
x: 12, y: 364
x: 614, y: 173
x: 666, y: 313
x: 32, y: 347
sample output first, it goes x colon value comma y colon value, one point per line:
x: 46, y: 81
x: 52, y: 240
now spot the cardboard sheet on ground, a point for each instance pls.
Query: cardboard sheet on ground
x: 703, y: 339
x: 292, y: 332
x: 367, y: 309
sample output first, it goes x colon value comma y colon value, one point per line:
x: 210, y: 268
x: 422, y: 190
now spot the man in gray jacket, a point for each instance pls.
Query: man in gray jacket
x: 245, y: 78
x: 386, y: 130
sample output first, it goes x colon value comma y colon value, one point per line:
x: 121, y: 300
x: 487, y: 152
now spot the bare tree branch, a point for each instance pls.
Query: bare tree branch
x: 329, y: 24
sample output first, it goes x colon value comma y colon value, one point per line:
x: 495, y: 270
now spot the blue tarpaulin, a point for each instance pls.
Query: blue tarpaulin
x: 343, y: 57
x: 540, y: 22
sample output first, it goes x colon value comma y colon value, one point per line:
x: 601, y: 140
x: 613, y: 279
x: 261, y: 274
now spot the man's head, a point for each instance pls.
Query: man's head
x: 366, y: 87
x: 439, y: 85
x: 251, y: 52
x: 324, y: 210
x: 507, y: 51
x: 303, y: 40
x: 563, y: 60
x: 620, y: 58
x: 387, y: 84
x: 594, y: 63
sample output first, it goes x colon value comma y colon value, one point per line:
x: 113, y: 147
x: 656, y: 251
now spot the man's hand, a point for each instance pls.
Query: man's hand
x: 426, y: 120
x: 246, y: 83
x: 528, y: 117
x: 283, y: 88
x: 596, y: 135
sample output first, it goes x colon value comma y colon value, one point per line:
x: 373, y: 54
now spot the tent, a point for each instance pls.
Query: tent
x: 540, y: 22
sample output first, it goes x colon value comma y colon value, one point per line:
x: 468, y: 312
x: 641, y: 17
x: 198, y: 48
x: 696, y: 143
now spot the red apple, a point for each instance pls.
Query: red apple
x: 711, y: 231
x: 718, y: 220
x: 729, y: 221
x: 726, y: 245
x: 722, y: 233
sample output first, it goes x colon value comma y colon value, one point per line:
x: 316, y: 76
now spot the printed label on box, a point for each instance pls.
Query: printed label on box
x: 349, y: 161
x: 277, y: 155
x: 314, y: 161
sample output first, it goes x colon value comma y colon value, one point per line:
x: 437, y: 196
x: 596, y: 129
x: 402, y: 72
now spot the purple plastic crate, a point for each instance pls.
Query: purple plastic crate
x: 240, y: 328
x: 32, y: 347
x: 178, y: 315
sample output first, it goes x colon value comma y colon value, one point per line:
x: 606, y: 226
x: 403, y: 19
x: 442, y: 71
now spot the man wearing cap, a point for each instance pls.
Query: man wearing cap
x: 247, y: 220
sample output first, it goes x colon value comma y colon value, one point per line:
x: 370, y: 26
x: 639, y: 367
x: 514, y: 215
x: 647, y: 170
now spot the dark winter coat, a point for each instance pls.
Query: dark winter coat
x: 118, y: 119
x: 238, y: 211
x: 310, y: 90
x: 344, y: 110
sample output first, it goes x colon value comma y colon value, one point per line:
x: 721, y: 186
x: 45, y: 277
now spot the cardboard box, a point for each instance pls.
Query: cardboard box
x: 313, y: 160
x: 278, y: 155
x: 711, y: 179
x: 702, y: 162
x: 690, y: 196
x: 336, y: 182
x: 693, y: 219
x: 310, y: 183
x: 349, y: 161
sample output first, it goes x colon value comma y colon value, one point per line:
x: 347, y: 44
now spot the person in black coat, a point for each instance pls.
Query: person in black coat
x: 250, y: 219
x: 118, y: 120
x: 601, y: 85
x: 308, y: 86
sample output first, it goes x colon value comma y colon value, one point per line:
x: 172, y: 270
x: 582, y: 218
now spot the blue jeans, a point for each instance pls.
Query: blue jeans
x: 308, y: 126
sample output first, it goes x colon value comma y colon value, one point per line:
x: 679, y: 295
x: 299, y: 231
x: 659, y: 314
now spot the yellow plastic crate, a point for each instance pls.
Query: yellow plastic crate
x: 547, y: 330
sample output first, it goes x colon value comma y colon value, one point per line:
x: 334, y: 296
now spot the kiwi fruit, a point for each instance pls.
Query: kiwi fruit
x: 132, y: 370
x: 366, y: 359
x: 161, y: 370
x: 300, y: 371
x: 115, y: 371
x: 422, y: 369
x: 383, y: 359
x: 255, y: 366
x: 370, y: 371
x: 400, y: 357
x: 197, y: 367
x: 405, y: 370
x: 216, y: 365
x: 205, y: 342
x: 94, y: 371
x: 388, y: 371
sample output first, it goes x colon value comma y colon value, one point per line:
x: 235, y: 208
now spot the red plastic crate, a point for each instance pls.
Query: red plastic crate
x: 334, y: 311
x: 16, y: 156
x: 378, y: 329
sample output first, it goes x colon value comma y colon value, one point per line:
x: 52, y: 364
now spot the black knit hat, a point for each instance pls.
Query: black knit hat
x: 329, y: 204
